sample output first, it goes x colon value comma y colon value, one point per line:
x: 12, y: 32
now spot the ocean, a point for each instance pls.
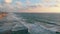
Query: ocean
x: 41, y: 23
x: 37, y: 23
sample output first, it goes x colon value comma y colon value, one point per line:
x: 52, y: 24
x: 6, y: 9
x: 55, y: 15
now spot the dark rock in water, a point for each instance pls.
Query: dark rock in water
x: 24, y: 31
x: 6, y: 32
x: 57, y: 32
x: 16, y: 30
x: 10, y: 28
x: 20, y: 30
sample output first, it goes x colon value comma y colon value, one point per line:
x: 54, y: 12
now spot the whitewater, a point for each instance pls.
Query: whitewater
x: 35, y: 28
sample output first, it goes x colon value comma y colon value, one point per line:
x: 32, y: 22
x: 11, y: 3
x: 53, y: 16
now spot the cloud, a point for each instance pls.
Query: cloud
x: 37, y: 7
x: 1, y: 6
x: 57, y: 5
x: 39, y: 4
x: 43, y: 10
x: 9, y: 7
x: 8, y: 1
x: 18, y: 4
x: 57, y: 0
x: 46, y: 0
x: 28, y: 2
x: 49, y: 1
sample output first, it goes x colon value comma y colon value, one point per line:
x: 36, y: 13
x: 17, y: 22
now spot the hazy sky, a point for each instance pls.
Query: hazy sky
x: 52, y: 6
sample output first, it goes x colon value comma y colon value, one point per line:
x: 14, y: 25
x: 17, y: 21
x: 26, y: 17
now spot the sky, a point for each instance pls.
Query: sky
x: 33, y: 6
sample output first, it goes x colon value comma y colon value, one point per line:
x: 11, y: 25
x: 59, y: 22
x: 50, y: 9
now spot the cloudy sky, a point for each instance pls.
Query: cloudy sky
x: 38, y: 6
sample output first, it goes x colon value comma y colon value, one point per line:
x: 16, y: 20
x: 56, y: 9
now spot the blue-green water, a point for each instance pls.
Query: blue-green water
x: 38, y: 18
x: 37, y: 23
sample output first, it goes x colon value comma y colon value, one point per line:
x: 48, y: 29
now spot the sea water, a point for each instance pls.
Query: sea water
x: 37, y: 23
x: 41, y: 23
